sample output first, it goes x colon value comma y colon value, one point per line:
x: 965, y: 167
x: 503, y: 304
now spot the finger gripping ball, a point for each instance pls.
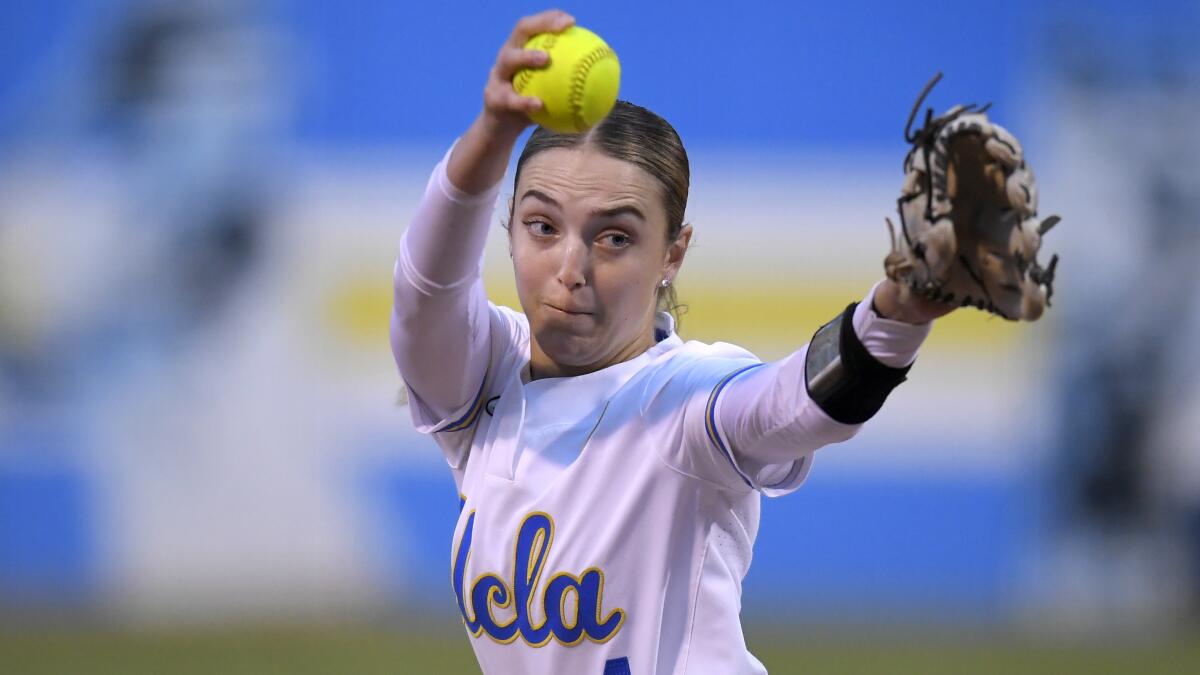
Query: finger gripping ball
x: 578, y: 86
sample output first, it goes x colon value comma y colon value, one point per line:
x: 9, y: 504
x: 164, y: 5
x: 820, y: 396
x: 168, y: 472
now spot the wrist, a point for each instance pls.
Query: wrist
x: 895, y: 312
x: 892, y: 302
x: 499, y: 133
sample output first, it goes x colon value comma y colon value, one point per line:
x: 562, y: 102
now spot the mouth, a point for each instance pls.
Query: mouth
x: 567, y: 312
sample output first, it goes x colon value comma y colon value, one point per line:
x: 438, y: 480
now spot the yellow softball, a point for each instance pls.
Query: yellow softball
x: 578, y: 86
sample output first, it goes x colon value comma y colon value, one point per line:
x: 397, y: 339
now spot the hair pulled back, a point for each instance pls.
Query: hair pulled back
x: 636, y: 135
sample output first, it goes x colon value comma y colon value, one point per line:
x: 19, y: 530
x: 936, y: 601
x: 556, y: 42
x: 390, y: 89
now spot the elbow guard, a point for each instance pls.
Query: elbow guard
x: 842, y: 377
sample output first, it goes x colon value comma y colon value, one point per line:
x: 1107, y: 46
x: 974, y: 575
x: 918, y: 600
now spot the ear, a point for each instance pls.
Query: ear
x: 676, y: 251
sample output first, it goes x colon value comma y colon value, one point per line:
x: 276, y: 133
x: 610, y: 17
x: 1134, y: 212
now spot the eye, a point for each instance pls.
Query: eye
x: 616, y: 239
x: 540, y: 228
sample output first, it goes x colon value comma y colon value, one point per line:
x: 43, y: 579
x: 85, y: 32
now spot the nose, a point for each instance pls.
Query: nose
x: 573, y: 266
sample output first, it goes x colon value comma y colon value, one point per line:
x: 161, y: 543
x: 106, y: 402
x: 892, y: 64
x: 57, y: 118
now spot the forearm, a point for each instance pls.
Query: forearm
x: 444, y: 243
x: 480, y: 157
x: 769, y: 418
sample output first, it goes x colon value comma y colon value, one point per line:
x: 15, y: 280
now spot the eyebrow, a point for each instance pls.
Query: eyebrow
x: 609, y: 213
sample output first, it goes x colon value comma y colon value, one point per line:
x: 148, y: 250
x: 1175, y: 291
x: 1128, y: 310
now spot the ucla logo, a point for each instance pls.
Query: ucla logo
x: 490, y: 593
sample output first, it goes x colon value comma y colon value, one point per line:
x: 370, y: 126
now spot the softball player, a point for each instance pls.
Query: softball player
x: 609, y: 472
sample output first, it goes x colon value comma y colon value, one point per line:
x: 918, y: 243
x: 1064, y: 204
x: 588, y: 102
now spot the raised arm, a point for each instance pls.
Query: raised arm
x: 440, y: 329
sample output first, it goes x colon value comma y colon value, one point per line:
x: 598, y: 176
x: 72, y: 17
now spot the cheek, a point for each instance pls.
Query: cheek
x: 534, y: 272
x: 628, y: 287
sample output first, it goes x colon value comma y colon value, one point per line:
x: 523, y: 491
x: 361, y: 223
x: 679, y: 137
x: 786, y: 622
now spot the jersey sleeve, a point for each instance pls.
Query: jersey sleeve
x: 447, y: 339
x: 748, y: 425
x: 681, y: 406
x: 454, y: 430
x: 769, y: 424
x: 765, y: 421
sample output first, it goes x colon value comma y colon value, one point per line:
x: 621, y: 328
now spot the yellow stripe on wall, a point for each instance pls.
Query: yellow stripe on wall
x: 772, y: 317
x: 764, y: 318
x: 769, y: 318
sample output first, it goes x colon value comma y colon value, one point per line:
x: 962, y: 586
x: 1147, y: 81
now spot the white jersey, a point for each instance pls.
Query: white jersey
x: 607, y: 519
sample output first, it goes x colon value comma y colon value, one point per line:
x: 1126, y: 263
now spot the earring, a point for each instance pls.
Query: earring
x: 665, y: 282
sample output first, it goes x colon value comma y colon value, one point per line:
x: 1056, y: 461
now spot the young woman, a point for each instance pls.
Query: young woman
x: 609, y: 471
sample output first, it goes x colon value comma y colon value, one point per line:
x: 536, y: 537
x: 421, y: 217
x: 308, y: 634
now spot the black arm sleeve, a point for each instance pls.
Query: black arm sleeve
x: 842, y: 377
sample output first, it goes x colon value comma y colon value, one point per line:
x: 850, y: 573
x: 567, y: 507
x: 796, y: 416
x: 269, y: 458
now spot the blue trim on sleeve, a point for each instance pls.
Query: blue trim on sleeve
x: 471, y: 415
x: 710, y: 418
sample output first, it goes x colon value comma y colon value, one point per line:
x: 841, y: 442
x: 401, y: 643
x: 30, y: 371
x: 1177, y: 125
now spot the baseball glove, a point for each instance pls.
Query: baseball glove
x: 968, y: 217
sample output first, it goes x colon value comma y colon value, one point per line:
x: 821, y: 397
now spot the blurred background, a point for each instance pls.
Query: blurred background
x: 203, y: 465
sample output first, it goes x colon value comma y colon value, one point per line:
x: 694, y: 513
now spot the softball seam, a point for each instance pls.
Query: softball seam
x: 523, y: 77
x: 579, y: 82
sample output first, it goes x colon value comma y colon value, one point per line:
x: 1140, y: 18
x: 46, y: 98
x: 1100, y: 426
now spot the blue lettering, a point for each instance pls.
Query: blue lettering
x: 533, y: 545
x: 555, y: 601
x: 460, y: 570
x: 487, y: 589
x: 591, y: 590
x: 531, y: 549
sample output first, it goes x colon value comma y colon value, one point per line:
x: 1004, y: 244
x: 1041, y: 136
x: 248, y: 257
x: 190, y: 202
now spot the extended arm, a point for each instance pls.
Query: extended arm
x: 769, y: 418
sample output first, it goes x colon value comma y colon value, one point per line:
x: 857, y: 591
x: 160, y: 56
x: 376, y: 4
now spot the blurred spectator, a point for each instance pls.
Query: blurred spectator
x: 187, y: 99
x: 1129, y: 439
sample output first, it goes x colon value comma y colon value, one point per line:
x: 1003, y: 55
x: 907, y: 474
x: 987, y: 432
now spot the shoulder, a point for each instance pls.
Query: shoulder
x: 509, y: 321
x: 510, y: 332
x: 690, y: 369
x: 694, y: 353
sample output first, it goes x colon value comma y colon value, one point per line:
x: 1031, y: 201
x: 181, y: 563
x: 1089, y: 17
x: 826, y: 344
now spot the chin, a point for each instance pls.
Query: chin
x: 567, y: 349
